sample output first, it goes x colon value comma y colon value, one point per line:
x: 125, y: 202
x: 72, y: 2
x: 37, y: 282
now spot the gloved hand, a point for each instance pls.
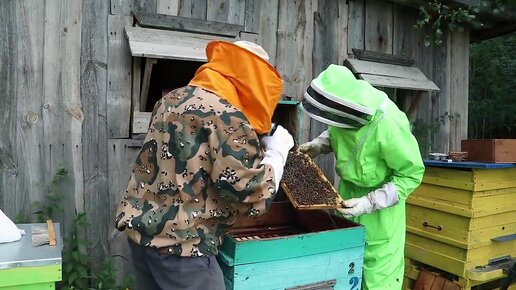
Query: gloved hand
x: 277, y: 147
x: 319, y: 145
x: 383, y: 197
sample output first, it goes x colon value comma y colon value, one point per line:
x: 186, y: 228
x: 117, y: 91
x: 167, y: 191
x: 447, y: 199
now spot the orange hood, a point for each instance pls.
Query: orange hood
x: 245, y: 80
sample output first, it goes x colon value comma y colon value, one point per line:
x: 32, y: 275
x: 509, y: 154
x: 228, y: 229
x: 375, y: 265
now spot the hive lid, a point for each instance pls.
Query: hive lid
x: 23, y: 254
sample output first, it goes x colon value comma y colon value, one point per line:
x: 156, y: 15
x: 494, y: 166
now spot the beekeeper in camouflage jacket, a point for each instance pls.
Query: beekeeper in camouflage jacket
x: 207, y: 158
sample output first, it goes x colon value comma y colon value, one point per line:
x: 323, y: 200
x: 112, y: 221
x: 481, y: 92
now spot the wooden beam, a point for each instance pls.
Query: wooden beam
x: 164, y: 44
x: 356, y: 24
x: 414, y: 104
x: 185, y: 24
x: 399, y: 83
x: 147, y: 73
x: 141, y: 122
x: 119, y: 78
x: 137, y: 80
x: 168, y: 7
x: 382, y: 69
x: 378, y: 34
x: 382, y: 57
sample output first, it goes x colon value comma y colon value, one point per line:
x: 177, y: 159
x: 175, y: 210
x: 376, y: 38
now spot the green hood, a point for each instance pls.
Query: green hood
x: 339, y: 82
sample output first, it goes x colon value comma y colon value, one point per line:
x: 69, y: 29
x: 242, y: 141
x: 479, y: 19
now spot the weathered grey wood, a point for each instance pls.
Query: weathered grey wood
x: 253, y: 37
x: 62, y: 110
x: 94, y: 53
x: 441, y: 101
x: 177, y: 23
x: 403, y: 36
x: 342, y: 31
x: 164, y: 44
x: 236, y: 14
x: 218, y: 10
x: 378, y: 26
x: 294, y: 55
x: 389, y: 75
x: 137, y: 79
x: 252, y: 15
x: 121, y: 156
x: 125, y: 7
x: 381, y: 57
x: 147, y: 72
x: 119, y: 77
x: 384, y: 69
x: 141, y: 122
x: 22, y: 178
x: 327, y: 43
x: 193, y: 8
x: 459, y: 82
x: 356, y: 25
x: 399, y: 83
x: 168, y: 7
x: 268, y: 21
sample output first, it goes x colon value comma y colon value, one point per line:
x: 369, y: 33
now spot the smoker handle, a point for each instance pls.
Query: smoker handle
x: 506, y: 238
x: 427, y: 225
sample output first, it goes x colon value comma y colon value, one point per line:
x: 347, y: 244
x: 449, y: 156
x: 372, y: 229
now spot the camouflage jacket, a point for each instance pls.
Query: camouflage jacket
x: 198, y: 169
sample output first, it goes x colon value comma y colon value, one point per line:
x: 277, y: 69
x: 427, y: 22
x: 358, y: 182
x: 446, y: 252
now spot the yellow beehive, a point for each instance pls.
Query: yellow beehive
x: 462, y: 218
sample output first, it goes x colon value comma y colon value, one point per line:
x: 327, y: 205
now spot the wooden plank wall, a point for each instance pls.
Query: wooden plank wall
x: 94, y: 64
x: 386, y: 27
x: 66, y: 95
x: 42, y: 109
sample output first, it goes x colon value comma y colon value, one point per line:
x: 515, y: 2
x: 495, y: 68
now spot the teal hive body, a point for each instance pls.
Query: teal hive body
x: 327, y: 252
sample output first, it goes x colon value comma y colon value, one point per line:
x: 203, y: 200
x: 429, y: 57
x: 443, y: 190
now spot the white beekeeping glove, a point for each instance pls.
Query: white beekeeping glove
x: 277, y: 147
x: 383, y: 197
x: 317, y: 146
x: 8, y: 230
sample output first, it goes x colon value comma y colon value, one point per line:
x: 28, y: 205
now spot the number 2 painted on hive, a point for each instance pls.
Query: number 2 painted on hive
x: 354, y: 283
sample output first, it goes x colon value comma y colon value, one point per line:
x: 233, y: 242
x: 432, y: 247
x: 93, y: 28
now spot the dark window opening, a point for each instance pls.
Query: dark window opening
x: 168, y: 75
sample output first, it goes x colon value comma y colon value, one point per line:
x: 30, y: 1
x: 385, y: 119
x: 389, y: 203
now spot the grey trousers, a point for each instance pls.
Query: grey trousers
x: 156, y: 271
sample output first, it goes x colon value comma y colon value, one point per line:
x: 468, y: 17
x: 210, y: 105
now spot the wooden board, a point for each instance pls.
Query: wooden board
x: 168, y: 7
x: 378, y: 33
x: 293, y: 56
x: 385, y: 69
x: 390, y: 75
x: 459, y: 85
x: 356, y: 25
x: 141, y: 122
x: 155, y: 43
x: 119, y: 77
x: 338, y: 199
x: 330, y: 47
x: 490, y: 150
x: 184, y: 24
x: 94, y: 58
x: 22, y: 164
x: 193, y: 8
x: 267, y: 21
x: 228, y: 11
x: 122, y: 154
x: 399, y: 83
x: 125, y: 7
x: 63, y: 111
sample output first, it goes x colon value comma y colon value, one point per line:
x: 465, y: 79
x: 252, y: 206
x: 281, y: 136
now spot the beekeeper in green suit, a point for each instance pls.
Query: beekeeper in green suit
x: 378, y: 161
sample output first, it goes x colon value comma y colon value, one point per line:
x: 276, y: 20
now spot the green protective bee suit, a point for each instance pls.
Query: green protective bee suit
x: 382, y: 151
